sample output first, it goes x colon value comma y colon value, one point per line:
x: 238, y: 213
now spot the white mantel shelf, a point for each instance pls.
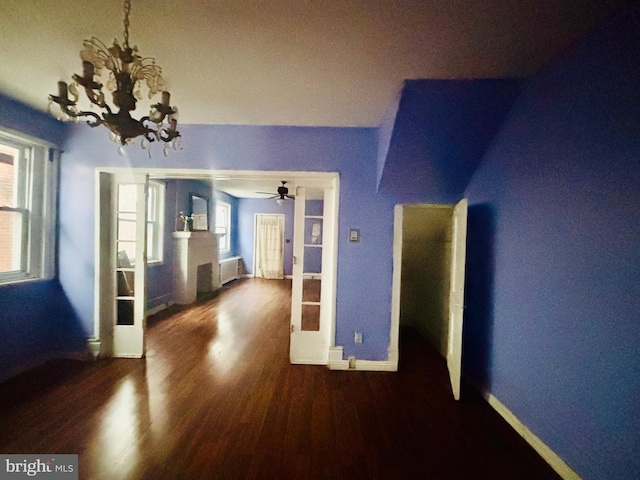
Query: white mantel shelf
x: 190, y: 250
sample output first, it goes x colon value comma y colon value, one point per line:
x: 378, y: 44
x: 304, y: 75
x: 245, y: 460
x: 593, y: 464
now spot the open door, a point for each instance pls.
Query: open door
x: 456, y: 294
x: 313, y: 289
x: 129, y: 264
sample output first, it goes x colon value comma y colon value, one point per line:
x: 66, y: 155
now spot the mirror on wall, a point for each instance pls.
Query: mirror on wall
x: 199, y: 208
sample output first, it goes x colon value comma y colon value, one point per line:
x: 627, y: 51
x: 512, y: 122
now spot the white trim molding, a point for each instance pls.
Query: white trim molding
x: 94, y: 345
x: 336, y: 362
x: 559, y: 465
x: 335, y: 359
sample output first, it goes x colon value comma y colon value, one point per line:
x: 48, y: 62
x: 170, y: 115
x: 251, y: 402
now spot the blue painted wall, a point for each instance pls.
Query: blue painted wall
x: 554, y: 210
x: 36, y: 320
x: 248, y: 208
x: 364, y: 272
x: 440, y: 131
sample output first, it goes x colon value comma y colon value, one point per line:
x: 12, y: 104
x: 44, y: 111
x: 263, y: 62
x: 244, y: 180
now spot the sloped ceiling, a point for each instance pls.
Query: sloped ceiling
x: 291, y: 62
x: 440, y: 132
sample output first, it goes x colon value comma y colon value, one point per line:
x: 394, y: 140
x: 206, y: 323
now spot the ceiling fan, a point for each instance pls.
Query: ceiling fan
x: 282, y: 195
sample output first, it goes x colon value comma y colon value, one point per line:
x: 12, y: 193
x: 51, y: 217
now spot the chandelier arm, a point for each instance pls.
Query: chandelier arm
x: 98, y: 120
x: 107, y: 108
x: 71, y: 113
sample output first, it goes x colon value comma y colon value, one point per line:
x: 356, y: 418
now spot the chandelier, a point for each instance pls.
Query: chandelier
x: 122, y: 70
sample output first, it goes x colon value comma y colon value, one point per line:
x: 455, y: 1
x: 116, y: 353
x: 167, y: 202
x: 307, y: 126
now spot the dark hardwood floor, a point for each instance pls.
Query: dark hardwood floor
x: 216, y: 398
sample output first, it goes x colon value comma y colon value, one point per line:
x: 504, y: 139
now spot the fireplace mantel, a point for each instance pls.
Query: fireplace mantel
x: 191, y: 250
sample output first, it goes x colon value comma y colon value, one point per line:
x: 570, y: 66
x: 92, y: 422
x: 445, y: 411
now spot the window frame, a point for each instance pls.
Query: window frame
x: 36, y: 194
x: 224, y: 245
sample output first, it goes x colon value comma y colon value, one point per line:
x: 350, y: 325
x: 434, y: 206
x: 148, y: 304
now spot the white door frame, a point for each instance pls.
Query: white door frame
x: 315, y: 347
x: 100, y: 341
x: 454, y: 339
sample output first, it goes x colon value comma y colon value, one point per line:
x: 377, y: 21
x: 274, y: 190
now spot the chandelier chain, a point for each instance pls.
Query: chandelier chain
x: 127, y: 9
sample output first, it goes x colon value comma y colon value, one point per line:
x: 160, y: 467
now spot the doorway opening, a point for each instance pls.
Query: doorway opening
x: 428, y: 278
x: 106, y: 297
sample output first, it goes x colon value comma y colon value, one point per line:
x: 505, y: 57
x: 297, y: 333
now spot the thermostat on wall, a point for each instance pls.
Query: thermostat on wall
x: 354, y: 235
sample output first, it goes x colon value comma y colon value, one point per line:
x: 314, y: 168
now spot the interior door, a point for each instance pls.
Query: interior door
x: 310, y: 296
x: 456, y: 295
x: 130, y: 264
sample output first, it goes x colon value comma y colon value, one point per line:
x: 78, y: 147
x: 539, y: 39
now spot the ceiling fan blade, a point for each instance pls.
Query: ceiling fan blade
x: 292, y: 197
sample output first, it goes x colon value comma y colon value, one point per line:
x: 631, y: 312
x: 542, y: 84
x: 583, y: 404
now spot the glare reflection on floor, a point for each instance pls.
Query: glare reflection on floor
x: 223, y: 351
x: 119, y: 431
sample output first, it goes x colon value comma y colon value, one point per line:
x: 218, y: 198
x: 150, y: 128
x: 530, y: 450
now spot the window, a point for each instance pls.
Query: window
x: 27, y: 208
x: 223, y: 225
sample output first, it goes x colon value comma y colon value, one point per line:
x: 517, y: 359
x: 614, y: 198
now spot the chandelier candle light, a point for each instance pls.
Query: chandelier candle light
x: 125, y: 70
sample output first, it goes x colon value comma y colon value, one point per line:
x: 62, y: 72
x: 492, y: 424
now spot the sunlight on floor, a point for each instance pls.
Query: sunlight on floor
x: 224, y: 351
x: 119, y: 431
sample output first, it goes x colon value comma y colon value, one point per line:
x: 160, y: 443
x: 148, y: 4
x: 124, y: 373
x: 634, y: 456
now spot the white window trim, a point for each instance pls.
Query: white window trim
x: 41, y: 202
x: 159, y: 223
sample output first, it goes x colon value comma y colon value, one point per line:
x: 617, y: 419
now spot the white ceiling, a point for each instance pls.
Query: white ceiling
x: 291, y: 62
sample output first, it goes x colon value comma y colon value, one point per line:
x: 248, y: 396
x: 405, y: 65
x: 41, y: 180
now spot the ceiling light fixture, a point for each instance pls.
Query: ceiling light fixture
x: 125, y: 71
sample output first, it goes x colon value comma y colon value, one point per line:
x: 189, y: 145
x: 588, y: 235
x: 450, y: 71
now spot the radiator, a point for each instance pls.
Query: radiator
x: 229, y: 269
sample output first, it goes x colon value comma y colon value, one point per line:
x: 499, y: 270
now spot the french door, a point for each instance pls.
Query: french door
x: 129, y: 263
x: 313, y: 285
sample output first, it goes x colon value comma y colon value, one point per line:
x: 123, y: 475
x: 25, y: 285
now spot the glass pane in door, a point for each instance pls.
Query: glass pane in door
x: 125, y: 312
x: 127, y: 197
x: 310, y: 318
x: 312, y: 260
x: 126, y: 251
x: 311, y: 289
x: 314, y: 205
x: 313, y: 231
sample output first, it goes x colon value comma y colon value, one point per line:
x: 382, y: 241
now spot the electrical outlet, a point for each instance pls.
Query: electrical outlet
x: 357, y: 337
x: 352, y: 363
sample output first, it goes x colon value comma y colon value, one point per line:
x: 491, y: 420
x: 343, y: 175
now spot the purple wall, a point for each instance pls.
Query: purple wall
x: 247, y: 209
x: 349, y: 151
x: 559, y: 195
x: 33, y: 331
x: 441, y: 130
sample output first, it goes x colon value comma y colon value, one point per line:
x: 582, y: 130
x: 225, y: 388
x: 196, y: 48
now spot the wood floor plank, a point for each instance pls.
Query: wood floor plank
x: 216, y: 397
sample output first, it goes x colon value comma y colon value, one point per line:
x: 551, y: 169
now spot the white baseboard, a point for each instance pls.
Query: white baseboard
x: 538, y: 445
x: 94, y: 346
x: 336, y: 362
x: 338, y: 365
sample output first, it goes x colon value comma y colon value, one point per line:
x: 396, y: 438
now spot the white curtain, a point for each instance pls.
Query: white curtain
x: 269, y: 246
